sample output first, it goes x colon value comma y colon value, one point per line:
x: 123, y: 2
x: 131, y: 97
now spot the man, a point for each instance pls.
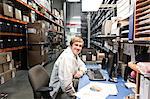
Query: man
x: 67, y: 68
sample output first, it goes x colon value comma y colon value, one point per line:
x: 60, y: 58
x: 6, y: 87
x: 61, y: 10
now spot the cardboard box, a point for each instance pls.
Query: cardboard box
x: 17, y: 64
x: 36, y: 38
x: 11, y: 64
x: 5, y: 57
x: 61, y: 14
x: 36, y: 47
x: 36, y: 25
x: 88, y: 50
x: 6, y: 67
x: 6, y: 9
x: 45, y: 58
x: 100, y: 56
x: 2, y: 78
x: 31, y: 30
x: 88, y: 56
x: 7, y: 75
x: 13, y: 72
x: 25, y: 18
x: 33, y: 16
x: 34, y: 58
x: 42, y: 50
x: 1, y: 68
x: 93, y: 57
x: 18, y: 14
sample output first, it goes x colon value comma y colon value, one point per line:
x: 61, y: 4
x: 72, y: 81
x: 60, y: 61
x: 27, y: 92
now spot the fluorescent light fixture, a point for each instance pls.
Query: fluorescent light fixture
x: 76, y: 17
x: 73, y: 0
x: 91, y: 5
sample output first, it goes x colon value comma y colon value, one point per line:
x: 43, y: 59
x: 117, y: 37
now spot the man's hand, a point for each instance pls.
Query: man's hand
x: 78, y: 74
x: 74, y: 94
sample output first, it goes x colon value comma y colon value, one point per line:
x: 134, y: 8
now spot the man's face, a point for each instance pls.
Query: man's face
x: 76, y: 47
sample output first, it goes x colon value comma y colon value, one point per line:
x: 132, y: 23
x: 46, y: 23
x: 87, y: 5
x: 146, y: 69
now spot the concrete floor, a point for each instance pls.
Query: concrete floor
x: 19, y: 87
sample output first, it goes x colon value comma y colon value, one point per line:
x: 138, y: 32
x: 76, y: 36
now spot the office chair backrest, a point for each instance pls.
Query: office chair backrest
x: 38, y: 77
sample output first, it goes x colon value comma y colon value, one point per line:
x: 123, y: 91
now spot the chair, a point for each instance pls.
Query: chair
x: 39, y: 80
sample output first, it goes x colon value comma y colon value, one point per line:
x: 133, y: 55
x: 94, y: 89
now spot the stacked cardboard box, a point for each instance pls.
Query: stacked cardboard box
x: 37, y: 32
x: 37, y: 39
x: 18, y: 14
x: 55, y: 12
x: 6, y: 9
x: 10, y: 11
x: 89, y: 54
x: 7, y: 68
x: 100, y: 56
x: 37, y: 54
x: 61, y: 14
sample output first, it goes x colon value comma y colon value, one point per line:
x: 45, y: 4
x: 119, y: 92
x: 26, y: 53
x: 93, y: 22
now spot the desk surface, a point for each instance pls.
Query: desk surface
x: 122, y: 90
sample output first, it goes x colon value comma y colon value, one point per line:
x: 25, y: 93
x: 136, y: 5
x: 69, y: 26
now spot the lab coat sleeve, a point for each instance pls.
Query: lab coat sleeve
x: 66, y: 76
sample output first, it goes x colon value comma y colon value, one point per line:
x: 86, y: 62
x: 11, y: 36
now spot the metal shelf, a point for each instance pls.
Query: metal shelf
x: 39, y: 13
x: 12, y: 49
x: 12, y: 19
x: 11, y: 34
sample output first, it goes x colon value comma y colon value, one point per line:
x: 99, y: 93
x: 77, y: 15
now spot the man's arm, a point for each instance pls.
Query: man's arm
x: 66, y: 76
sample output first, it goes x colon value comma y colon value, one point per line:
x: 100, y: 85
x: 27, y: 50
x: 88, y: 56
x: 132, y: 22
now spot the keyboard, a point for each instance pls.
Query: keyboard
x: 95, y: 74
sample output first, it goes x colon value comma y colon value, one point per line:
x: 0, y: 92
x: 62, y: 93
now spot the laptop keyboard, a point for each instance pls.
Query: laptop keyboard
x: 95, y: 74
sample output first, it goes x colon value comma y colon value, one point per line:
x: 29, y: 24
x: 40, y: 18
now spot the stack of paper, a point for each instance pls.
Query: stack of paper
x: 104, y: 90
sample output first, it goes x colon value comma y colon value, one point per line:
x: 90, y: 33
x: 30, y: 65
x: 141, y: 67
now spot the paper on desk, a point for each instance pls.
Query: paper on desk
x: 106, y: 90
x: 130, y: 85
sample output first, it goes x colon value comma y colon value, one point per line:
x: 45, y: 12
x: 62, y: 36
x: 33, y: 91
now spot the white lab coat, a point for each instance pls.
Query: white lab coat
x: 64, y: 69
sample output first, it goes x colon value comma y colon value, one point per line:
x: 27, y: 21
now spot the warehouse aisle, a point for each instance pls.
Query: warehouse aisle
x: 19, y: 87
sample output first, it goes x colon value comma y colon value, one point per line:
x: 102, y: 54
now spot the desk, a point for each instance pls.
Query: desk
x: 122, y: 90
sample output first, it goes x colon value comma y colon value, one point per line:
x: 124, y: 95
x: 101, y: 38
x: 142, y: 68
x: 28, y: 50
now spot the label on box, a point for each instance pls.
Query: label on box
x: 46, y: 33
x: 43, y: 25
x: 13, y: 74
x: 9, y: 8
x: 42, y: 47
x: 31, y: 30
x: 10, y: 65
x: 46, y: 50
x: 8, y: 58
x: 27, y: 19
x: 93, y: 58
x: 2, y: 79
x: 42, y: 52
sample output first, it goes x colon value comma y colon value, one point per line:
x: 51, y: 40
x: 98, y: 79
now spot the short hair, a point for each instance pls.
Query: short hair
x: 76, y: 39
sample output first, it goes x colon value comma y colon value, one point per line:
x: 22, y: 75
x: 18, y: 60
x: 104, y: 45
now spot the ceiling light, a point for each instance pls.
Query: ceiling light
x: 73, y: 0
x: 91, y: 5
